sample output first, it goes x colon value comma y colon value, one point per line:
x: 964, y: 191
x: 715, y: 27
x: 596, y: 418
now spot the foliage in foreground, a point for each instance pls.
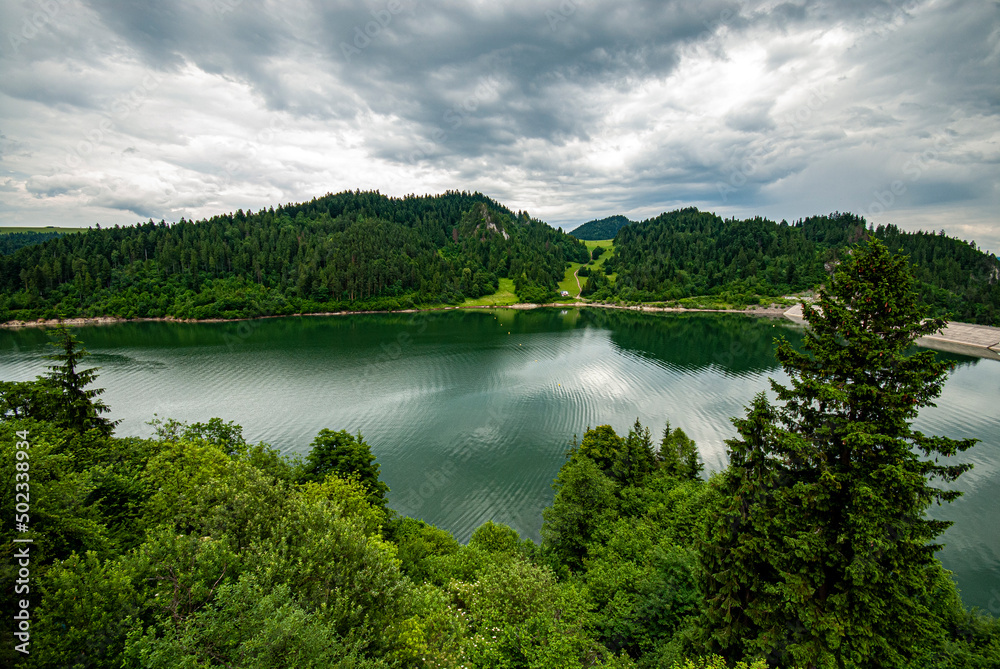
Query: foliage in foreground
x: 822, y: 555
x: 196, y: 548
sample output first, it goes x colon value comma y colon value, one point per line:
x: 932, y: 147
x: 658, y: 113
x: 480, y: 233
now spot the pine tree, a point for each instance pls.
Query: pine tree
x: 824, y: 556
x: 678, y: 454
x: 80, y: 408
x: 635, y: 460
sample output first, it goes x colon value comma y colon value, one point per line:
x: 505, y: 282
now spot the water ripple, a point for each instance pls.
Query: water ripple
x: 470, y: 423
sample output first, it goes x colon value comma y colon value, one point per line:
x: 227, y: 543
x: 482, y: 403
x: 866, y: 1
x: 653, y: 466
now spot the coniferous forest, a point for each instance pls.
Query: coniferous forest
x: 12, y: 241
x: 604, y: 334
x: 365, y: 251
x: 604, y: 228
x: 688, y: 253
x: 811, y: 549
x: 346, y: 251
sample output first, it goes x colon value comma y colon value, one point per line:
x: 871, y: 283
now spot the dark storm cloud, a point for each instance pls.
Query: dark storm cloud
x: 431, y: 63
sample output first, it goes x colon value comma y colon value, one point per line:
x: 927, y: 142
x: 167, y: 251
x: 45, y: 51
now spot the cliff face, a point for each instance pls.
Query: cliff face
x: 491, y: 225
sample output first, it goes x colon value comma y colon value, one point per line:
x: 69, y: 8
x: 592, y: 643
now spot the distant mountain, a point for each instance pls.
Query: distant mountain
x: 604, y: 228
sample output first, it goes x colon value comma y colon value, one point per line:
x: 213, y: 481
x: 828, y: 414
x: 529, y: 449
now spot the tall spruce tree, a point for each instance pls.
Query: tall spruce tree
x: 679, y: 455
x: 80, y: 407
x: 636, y: 459
x: 824, y: 557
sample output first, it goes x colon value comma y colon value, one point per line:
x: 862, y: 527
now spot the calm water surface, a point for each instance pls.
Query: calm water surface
x: 470, y: 412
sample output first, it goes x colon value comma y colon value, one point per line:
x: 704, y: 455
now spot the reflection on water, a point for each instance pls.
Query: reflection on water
x: 470, y: 412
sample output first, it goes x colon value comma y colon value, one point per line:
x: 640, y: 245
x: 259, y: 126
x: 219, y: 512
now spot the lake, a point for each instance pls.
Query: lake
x: 470, y: 412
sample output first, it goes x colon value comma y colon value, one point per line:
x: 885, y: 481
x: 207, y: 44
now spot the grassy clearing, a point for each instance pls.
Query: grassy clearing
x: 569, y: 282
x: 504, y: 296
x: 609, y: 250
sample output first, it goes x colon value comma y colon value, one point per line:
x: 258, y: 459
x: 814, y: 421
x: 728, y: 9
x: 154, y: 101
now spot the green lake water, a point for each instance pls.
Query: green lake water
x: 470, y: 412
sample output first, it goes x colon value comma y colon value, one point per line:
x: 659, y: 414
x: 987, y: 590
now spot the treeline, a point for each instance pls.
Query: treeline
x: 352, y: 250
x: 689, y: 253
x: 362, y: 250
x: 603, y: 228
x: 810, y: 550
x: 12, y: 241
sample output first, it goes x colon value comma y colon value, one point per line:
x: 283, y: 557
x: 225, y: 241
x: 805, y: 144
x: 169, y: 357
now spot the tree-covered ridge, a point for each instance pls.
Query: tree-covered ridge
x: 12, y: 241
x: 352, y: 250
x: 603, y: 228
x: 689, y: 253
x: 363, y: 250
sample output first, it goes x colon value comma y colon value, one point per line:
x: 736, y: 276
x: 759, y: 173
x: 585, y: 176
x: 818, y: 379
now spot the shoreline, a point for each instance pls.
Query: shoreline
x: 965, y: 338
x: 774, y: 312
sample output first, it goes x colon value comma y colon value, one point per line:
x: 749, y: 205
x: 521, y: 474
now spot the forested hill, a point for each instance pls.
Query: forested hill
x: 12, y: 241
x: 363, y: 250
x: 690, y: 253
x: 604, y: 228
x: 352, y: 250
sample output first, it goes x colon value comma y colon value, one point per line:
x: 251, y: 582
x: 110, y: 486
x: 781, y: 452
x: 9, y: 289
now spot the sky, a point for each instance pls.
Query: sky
x: 114, y: 112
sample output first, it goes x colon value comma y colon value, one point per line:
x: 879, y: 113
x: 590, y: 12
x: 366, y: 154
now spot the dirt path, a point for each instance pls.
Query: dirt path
x: 579, y: 288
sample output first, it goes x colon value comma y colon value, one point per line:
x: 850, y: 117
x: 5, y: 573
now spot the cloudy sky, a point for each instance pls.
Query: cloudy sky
x: 119, y: 111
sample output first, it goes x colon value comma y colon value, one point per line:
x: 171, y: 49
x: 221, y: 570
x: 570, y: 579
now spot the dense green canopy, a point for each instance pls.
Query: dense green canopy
x: 363, y: 250
x: 604, y: 228
x: 689, y: 253
x: 821, y: 555
x: 352, y: 250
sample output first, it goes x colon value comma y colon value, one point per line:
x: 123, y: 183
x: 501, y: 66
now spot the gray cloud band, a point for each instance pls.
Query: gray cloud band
x: 120, y: 110
x: 33, y: 25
